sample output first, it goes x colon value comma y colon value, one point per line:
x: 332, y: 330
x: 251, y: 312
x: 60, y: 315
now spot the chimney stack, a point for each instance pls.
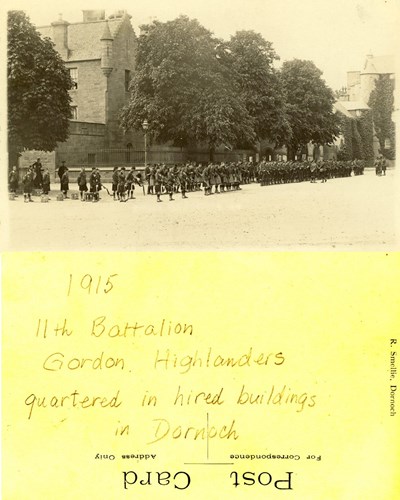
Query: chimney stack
x: 60, y: 36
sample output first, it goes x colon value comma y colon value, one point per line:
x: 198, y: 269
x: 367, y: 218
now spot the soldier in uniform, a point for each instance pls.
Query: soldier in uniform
x: 37, y: 169
x: 383, y: 165
x: 313, y: 172
x: 28, y: 185
x: 61, y: 170
x: 169, y: 183
x: 121, y: 189
x: 183, y: 178
x: 46, y: 181
x: 82, y: 183
x: 93, y: 182
x: 13, y: 180
x: 131, y: 178
x: 64, y: 187
x: 378, y: 166
x: 114, y: 186
x: 158, y: 180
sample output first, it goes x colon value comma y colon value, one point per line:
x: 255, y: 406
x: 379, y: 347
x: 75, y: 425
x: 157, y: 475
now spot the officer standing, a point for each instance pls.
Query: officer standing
x: 46, y: 181
x: 82, y: 183
x: 28, y: 185
x: 13, y: 180
x: 65, y: 183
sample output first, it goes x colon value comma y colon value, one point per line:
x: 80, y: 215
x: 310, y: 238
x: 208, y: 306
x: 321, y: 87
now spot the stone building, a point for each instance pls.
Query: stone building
x: 361, y: 83
x: 99, y: 53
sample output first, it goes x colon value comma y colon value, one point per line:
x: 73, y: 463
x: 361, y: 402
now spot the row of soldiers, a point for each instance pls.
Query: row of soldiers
x: 29, y: 181
x: 212, y: 178
x: 302, y: 171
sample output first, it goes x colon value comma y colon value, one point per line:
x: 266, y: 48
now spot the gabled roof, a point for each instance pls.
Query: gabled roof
x: 338, y: 106
x: 84, y: 37
x: 380, y: 65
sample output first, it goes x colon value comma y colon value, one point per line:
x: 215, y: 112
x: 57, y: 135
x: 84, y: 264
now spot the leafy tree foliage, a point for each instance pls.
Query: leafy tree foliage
x: 184, y: 90
x: 309, y: 104
x: 381, y: 102
x: 250, y: 59
x: 365, y: 127
x: 38, y: 84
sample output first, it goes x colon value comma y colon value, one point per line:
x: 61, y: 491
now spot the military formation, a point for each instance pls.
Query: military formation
x: 306, y: 171
x: 169, y: 180
x: 213, y: 178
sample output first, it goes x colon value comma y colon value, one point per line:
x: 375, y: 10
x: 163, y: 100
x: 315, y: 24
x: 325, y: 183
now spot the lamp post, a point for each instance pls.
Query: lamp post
x: 145, y: 126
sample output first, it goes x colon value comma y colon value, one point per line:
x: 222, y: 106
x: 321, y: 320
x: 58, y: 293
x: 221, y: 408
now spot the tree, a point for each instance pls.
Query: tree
x: 250, y: 60
x: 309, y: 105
x: 38, y: 84
x: 381, y: 102
x: 183, y: 90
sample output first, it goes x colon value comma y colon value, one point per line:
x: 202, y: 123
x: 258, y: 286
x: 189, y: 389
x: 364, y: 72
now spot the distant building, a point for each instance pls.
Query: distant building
x: 354, y: 98
x: 360, y: 84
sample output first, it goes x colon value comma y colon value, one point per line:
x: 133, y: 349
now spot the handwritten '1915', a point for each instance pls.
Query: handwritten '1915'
x: 90, y: 284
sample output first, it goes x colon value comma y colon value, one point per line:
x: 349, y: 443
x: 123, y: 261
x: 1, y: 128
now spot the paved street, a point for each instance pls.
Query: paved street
x: 356, y: 213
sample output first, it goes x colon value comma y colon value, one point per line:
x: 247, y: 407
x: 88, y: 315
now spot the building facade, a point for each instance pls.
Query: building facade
x: 99, y: 53
x: 361, y: 83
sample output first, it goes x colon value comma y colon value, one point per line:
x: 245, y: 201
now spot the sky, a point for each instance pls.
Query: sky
x: 335, y: 34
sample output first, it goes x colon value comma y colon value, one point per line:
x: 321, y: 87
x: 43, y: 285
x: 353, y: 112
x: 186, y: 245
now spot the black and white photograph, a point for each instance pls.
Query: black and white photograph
x: 193, y: 125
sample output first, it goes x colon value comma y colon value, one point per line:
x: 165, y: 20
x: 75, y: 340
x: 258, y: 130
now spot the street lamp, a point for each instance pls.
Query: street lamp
x: 145, y: 126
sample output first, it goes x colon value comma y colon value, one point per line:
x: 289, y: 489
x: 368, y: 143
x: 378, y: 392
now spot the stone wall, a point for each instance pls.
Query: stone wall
x: 124, y: 54
x: 90, y: 94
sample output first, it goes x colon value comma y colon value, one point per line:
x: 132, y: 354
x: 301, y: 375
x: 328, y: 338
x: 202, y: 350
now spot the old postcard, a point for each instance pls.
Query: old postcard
x: 199, y: 226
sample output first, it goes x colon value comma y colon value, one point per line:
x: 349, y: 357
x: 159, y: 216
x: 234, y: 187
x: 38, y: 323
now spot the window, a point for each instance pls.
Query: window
x: 73, y: 73
x: 127, y: 79
x: 388, y: 144
x: 91, y: 158
x: 74, y: 112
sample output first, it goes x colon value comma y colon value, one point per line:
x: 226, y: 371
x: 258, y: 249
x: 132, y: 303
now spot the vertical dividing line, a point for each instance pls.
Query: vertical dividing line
x: 208, y: 427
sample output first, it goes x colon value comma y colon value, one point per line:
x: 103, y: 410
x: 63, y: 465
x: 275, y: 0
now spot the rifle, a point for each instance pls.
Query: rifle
x: 103, y: 186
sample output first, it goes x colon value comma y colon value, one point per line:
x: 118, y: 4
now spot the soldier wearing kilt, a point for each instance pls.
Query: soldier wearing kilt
x: 151, y: 180
x: 94, y: 185
x: 28, y: 185
x: 383, y: 165
x: 207, y: 180
x: 313, y: 172
x: 46, y: 181
x: 183, y: 181
x: 121, y: 187
x: 13, y: 180
x: 169, y: 183
x: 82, y: 183
x: 198, y: 177
x: 130, y: 183
x: 114, y: 186
x: 158, y: 180
x: 38, y: 179
x: 64, y: 187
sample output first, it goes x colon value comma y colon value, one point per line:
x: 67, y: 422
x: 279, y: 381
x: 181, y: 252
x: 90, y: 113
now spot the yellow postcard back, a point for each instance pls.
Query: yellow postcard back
x: 200, y: 375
